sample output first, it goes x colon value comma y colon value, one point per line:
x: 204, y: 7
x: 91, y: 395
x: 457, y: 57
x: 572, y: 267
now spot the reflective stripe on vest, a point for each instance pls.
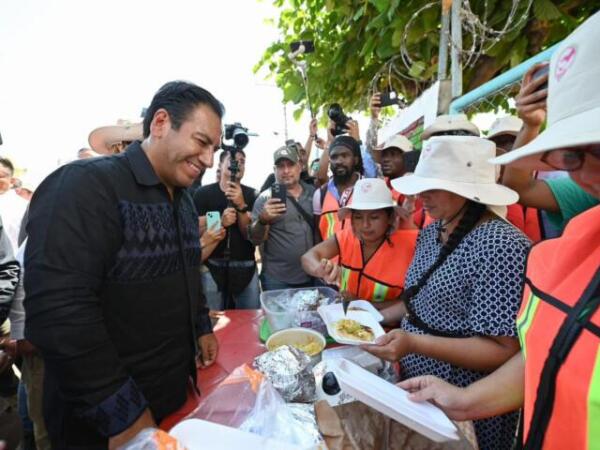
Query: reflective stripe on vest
x: 381, y: 277
x: 560, y: 273
x: 329, y: 222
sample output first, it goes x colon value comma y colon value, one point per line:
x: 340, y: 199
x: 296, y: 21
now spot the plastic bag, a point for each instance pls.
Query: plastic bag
x: 248, y: 401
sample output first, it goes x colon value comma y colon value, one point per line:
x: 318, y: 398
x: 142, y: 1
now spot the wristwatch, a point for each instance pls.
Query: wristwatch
x: 242, y: 210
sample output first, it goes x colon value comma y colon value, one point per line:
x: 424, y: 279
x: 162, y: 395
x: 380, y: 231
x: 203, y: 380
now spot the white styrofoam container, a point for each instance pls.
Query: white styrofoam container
x: 423, y: 417
x: 332, y: 313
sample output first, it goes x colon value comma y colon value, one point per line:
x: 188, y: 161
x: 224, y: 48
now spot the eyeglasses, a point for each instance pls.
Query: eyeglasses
x: 570, y: 159
x: 453, y: 133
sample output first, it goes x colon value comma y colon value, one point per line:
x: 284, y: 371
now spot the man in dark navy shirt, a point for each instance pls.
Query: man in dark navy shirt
x: 113, y: 284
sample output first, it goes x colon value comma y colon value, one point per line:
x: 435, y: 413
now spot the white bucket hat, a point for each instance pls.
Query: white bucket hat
x: 450, y: 122
x: 368, y: 194
x: 573, y: 98
x: 397, y: 141
x: 505, y: 125
x: 101, y: 139
x: 459, y: 164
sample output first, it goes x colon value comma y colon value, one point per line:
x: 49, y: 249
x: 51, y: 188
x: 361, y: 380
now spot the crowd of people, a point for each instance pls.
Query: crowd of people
x: 108, y: 288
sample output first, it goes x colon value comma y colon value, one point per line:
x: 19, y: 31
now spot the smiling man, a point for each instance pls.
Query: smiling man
x: 113, y: 282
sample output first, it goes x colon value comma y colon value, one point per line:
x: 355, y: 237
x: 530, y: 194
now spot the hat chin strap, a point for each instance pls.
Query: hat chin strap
x: 444, y: 226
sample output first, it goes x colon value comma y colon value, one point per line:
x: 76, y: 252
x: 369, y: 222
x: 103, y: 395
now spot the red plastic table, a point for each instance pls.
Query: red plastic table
x: 237, y: 332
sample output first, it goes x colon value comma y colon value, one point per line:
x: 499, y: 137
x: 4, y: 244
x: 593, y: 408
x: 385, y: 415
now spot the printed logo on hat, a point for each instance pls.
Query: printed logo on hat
x: 564, y: 62
x: 284, y: 152
x: 366, y: 187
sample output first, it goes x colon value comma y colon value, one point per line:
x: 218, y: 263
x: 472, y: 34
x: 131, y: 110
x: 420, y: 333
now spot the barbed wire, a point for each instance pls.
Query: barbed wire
x: 502, y: 98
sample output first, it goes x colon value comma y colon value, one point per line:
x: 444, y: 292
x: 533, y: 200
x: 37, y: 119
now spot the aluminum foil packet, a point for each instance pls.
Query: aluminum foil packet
x: 288, y: 370
x: 307, y: 302
x: 304, y: 415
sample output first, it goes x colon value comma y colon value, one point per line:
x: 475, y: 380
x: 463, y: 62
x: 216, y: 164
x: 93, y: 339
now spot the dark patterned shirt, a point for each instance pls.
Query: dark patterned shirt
x: 475, y: 292
x: 113, y: 295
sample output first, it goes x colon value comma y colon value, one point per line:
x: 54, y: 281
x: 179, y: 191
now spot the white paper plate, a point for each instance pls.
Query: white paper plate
x: 198, y: 434
x: 332, y: 313
x: 388, y: 399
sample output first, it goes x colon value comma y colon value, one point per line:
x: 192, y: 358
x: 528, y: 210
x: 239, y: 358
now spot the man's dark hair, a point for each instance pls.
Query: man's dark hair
x: 8, y: 164
x: 224, y: 154
x: 179, y: 99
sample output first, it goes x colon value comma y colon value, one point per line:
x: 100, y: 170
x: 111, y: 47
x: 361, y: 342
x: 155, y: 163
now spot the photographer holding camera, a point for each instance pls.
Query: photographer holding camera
x: 341, y: 124
x: 282, y: 220
x: 232, y: 265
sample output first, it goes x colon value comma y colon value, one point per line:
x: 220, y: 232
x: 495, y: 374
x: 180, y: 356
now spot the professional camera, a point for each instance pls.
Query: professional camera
x: 336, y: 114
x: 238, y: 133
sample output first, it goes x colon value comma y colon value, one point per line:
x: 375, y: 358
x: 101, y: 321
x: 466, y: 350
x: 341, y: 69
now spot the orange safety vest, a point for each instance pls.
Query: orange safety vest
x: 382, y: 276
x: 562, y: 282
x: 329, y: 222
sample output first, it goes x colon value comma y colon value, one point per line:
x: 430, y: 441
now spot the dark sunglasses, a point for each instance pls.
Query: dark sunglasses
x: 570, y: 159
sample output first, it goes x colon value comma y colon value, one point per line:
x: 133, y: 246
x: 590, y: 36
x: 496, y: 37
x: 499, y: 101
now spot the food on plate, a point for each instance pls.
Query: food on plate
x: 352, y: 329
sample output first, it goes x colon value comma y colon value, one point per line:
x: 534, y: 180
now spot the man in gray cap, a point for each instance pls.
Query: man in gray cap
x: 284, y: 228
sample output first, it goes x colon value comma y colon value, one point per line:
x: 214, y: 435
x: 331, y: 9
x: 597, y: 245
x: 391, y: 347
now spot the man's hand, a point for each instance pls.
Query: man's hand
x: 375, y: 105
x: 144, y: 421
x: 330, y: 129
x: 531, y: 102
x: 229, y: 217
x: 24, y: 347
x: 391, y: 346
x: 273, y: 209
x: 451, y: 399
x: 313, y: 128
x: 208, y: 349
x: 6, y: 361
x: 235, y: 195
x: 352, y: 126
x: 212, y: 235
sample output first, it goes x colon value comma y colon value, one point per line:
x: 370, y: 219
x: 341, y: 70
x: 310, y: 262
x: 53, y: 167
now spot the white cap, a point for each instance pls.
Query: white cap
x: 450, y: 122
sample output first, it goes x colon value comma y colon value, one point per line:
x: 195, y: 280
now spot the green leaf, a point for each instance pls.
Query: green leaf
x: 298, y: 114
x: 416, y: 69
x: 546, y: 10
x: 381, y: 5
x: 359, y: 13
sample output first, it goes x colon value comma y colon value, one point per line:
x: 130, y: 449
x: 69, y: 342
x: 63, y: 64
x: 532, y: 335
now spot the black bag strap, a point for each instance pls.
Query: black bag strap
x: 570, y: 330
x: 307, y: 217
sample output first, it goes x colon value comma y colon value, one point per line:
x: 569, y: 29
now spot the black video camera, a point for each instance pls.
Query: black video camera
x: 238, y: 134
x: 336, y: 114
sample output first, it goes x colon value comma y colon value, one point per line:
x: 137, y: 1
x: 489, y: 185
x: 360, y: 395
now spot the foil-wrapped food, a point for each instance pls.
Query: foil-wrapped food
x: 289, y: 371
x: 307, y: 302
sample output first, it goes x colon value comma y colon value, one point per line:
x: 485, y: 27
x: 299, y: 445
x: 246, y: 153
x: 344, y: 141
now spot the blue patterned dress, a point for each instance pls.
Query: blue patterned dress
x: 475, y: 292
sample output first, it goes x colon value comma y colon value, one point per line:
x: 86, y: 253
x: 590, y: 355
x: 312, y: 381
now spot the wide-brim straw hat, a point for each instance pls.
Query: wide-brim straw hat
x: 102, y: 138
x: 369, y: 194
x: 573, y: 99
x: 459, y: 164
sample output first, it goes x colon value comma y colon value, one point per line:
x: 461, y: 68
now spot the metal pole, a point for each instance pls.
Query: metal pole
x: 457, y: 86
x: 444, y: 36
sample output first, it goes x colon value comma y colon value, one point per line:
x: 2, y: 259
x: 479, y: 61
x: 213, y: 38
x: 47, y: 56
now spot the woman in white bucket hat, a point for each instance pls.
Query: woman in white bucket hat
x: 373, y: 254
x: 464, y: 284
x: 556, y: 376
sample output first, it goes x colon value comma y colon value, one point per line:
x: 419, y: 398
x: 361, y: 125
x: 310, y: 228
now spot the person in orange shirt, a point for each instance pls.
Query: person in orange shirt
x: 374, y: 253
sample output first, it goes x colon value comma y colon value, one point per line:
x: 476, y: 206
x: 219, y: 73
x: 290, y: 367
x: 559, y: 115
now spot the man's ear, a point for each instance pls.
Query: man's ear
x: 161, y: 123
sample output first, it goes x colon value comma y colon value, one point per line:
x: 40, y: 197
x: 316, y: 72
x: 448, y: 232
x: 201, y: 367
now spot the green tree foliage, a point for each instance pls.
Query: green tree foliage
x: 355, y: 38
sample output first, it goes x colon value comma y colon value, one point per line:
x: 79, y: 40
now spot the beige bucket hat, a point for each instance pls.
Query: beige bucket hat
x: 101, y: 139
x: 505, y: 125
x: 450, y: 122
x: 369, y: 194
x: 573, y: 99
x: 459, y: 164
